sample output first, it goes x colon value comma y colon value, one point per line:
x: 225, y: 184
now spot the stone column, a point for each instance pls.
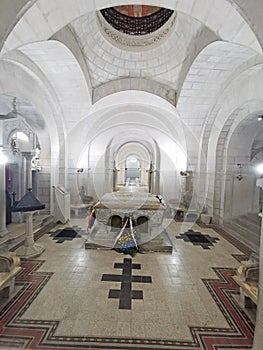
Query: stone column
x: 155, y: 181
x: 114, y: 177
x: 259, y: 322
x: 3, y: 230
x: 28, y: 156
x: 150, y: 180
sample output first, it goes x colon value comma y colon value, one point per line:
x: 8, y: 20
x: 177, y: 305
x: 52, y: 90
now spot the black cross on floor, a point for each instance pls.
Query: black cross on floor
x: 126, y: 294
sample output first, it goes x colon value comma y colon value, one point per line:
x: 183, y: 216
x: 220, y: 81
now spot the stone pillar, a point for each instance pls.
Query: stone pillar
x: 150, y: 180
x: 114, y: 177
x: 259, y: 322
x: 3, y: 230
x: 28, y: 156
x: 155, y: 181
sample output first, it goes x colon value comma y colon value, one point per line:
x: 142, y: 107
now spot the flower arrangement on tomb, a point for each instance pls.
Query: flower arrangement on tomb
x: 126, y: 242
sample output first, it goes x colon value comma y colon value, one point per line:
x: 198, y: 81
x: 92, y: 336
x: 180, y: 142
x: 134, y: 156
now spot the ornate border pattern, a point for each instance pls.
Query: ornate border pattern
x: 125, y: 41
x: 136, y: 25
x: 35, y: 334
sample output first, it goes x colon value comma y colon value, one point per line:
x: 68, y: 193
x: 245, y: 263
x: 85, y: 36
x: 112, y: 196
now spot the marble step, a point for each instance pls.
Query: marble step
x: 251, y: 234
x: 248, y: 223
x: 254, y: 217
x: 250, y: 239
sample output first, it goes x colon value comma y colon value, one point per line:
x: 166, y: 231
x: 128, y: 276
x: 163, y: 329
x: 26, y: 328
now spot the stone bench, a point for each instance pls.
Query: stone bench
x: 247, y: 276
x: 205, y: 218
x: 176, y: 211
x: 9, y: 268
x: 248, y: 292
x: 191, y: 215
x: 182, y: 213
x: 7, y: 282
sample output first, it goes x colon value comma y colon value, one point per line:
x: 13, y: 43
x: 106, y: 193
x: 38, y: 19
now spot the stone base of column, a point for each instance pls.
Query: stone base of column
x: 3, y: 232
x: 32, y: 251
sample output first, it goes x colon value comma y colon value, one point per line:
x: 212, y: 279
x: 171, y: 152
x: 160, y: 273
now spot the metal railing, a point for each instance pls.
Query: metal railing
x: 136, y: 25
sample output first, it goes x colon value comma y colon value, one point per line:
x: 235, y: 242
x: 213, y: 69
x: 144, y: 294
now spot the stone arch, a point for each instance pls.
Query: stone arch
x: 210, y: 116
x: 139, y: 84
x: 66, y: 37
x: 109, y: 109
x: 107, y: 120
x: 45, y: 14
x: 31, y: 56
x: 22, y: 144
x: 42, y: 107
x: 109, y: 116
x: 142, y: 223
x: 223, y: 192
x: 51, y: 74
x: 141, y: 152
x: 235, y: 96
x: 202, y: 93
x: 115, y: 222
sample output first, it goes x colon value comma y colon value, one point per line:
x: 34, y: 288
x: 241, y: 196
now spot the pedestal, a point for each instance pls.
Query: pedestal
x: 29, y: 249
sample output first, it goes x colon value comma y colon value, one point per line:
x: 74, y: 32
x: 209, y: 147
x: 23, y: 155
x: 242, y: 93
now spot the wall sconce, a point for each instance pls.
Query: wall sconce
x: 239, y: 176
x: 80, y: 170
x: 184, y: 173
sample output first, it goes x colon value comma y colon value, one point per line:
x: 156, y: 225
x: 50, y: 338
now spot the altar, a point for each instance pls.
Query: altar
x: 146, y: 214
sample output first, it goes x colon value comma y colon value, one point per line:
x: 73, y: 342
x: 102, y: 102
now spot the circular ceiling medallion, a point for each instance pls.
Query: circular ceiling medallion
x: 136, y: 20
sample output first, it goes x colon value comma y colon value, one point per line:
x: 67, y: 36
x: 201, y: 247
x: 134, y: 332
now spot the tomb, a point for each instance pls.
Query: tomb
x: 146, y: 213
x: 247, y: 277
x: 9, y: 268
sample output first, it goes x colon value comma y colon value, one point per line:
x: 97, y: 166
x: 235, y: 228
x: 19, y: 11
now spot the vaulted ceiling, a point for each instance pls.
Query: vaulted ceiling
x: 60, y: 49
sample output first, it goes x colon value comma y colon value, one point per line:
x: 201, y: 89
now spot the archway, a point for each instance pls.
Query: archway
x: 133, y: 163
x: 132, y: 170
x: 115, y: 222
x: 142, y: 224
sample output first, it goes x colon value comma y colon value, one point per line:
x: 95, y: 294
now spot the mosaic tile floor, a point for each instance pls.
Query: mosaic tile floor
x: 183, y: 300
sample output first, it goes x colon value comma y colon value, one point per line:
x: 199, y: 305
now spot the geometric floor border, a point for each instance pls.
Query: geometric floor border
x: 35, y: 334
